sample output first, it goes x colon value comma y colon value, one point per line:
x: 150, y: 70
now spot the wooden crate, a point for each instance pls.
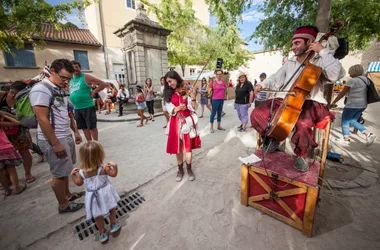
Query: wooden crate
x: 277, y: 189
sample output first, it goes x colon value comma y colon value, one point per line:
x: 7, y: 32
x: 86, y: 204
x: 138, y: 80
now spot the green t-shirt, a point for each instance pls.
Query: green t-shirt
x: 80, y: 93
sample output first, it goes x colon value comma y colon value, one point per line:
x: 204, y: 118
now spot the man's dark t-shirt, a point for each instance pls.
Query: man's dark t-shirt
x: 242, y: 93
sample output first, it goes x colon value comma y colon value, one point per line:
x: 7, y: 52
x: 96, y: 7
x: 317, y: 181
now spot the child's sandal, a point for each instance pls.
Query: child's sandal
x: 103, y: 237
x: 115, y: 228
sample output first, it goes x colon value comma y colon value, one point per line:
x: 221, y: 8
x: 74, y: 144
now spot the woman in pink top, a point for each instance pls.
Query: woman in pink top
x: 217, y: 99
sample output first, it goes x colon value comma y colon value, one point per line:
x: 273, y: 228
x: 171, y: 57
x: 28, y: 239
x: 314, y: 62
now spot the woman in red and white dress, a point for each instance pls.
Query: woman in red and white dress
x: 179, y: 104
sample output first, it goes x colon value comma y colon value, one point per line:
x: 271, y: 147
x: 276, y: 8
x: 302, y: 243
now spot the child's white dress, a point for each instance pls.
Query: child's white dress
x: 101, y: 197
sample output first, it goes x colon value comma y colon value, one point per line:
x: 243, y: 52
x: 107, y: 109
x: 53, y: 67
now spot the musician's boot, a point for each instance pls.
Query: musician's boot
x: 270, y: 145
x: 179, y: 173
x: 301, y: 164
x: 190, y: 172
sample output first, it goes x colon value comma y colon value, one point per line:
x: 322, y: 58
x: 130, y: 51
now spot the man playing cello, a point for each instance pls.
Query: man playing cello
x: 314, y: 108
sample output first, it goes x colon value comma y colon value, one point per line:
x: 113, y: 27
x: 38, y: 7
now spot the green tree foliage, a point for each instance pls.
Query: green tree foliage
x: 282, y: 17
x: 26, y: 18
x: 191, y: 42
x: 180, y: 18
x: 70, y: 25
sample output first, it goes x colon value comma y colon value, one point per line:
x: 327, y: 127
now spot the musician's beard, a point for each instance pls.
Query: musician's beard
x: 300, y: 51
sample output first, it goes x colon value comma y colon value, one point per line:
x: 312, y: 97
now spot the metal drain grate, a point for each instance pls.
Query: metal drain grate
x: 126, y: 205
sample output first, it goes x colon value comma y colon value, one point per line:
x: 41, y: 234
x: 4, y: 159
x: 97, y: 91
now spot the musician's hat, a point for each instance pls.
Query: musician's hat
x: 307, y: 32
x: 241, y: 73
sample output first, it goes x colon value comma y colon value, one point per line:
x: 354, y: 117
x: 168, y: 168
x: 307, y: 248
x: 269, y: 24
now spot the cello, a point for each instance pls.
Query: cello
x: 288, y: 112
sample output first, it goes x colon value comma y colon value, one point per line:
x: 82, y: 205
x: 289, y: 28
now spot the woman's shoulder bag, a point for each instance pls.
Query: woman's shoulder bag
x: 372, y: 95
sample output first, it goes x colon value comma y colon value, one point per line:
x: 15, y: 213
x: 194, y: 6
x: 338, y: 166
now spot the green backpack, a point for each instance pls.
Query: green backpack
x: 24, y: 109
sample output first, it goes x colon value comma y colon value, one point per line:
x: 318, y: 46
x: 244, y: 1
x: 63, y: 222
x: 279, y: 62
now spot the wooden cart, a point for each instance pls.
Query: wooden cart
x: 277, y: 189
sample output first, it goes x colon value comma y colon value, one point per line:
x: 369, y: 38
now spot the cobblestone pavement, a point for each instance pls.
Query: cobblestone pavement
x: 206, y: 213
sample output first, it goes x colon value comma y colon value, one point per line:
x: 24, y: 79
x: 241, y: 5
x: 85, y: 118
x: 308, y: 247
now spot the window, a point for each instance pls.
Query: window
x: 82, y: 57
x: 21, y: 57
x: 120, y: 78
x: 192, y: 71
x: 131, y: 4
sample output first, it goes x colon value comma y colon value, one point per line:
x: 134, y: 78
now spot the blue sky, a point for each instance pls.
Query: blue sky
x: 251, y: 18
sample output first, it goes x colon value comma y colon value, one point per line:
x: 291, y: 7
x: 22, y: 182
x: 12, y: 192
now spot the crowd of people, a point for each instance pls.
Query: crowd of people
x: 66, y: 100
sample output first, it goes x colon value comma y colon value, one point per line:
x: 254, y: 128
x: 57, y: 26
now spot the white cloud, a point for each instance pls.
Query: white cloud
x: 252, y: 16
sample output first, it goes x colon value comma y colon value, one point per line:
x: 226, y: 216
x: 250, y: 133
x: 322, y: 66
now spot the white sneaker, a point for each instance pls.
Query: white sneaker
x: 370, y: 139
x: 343, y: 141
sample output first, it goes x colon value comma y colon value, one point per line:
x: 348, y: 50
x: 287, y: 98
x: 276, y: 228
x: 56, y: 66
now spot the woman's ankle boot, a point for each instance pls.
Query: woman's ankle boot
x: 179, y: 173
x: 190, y: 172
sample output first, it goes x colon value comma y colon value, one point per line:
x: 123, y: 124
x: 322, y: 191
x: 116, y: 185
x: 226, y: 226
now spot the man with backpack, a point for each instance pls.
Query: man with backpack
x: 50, y: 104
x: 81, y: 96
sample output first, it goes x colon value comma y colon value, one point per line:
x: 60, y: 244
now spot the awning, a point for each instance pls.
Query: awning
x: 205, y: 74
x: 373, y: 67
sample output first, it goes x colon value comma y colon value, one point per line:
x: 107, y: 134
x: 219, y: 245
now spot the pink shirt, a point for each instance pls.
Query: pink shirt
x: 4, y: 142
x: 219, y: 90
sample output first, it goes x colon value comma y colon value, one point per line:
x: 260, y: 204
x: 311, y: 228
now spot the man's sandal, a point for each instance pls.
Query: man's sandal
x: 72, y: 207
x: 75, y: 195
x: 22, y: 189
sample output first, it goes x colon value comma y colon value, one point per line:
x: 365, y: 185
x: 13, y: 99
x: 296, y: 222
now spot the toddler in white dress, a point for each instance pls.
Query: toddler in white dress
x: 101, y: 197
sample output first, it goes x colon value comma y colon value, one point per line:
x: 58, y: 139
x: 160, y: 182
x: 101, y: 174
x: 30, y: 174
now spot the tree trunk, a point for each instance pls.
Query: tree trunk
x: 183, y: 70
x: 323, y: 15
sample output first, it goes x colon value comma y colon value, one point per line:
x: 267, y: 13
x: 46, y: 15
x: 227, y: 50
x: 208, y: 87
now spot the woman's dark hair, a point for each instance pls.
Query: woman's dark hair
x: 5, y: 87
x: 146, y: 82
x: 75, y: 62
x: 168, y: 91
x: 18, y: 85
x: 60, y: 64
x: 204, y: 80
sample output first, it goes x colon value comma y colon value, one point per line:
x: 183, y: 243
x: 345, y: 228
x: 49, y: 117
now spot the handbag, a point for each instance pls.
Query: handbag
x: 372, y: 95
x: 196, y: 142
x: 210, y: 91
x: 190, y: 126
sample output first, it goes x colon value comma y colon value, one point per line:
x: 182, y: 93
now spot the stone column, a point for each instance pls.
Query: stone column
x: 145, y: 49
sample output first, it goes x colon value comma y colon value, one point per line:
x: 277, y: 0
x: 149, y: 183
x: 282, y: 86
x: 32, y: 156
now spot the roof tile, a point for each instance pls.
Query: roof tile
x: 67, y: 35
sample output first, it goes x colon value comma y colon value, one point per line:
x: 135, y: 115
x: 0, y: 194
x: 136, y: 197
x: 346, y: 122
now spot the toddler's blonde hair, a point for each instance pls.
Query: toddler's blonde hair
x: 91, y: 156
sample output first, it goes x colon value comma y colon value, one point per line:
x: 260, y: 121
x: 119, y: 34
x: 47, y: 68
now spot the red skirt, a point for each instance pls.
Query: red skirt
x: 178, y: 142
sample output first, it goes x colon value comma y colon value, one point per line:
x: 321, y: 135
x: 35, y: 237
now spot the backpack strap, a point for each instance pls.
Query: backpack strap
x: 51, y: 103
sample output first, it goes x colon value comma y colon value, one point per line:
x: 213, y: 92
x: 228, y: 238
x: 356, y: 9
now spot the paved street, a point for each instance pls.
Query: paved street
x: 204, y: 214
